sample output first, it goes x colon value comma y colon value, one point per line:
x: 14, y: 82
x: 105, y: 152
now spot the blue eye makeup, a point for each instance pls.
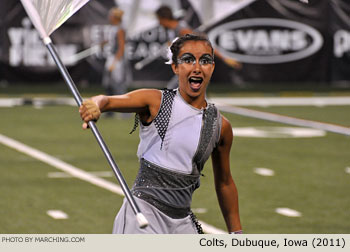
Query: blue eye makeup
x: 188, y: 58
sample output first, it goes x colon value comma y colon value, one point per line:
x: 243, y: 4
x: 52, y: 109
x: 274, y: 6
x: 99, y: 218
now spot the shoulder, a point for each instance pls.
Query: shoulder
x: 225, y: 140
x: 149, y: 95
x: 151, y: 100
x: 226, y: 135
x: 147, y: 92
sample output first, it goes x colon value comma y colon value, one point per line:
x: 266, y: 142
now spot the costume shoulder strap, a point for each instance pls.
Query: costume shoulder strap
x: 162, y: 119
x: 210, y: 135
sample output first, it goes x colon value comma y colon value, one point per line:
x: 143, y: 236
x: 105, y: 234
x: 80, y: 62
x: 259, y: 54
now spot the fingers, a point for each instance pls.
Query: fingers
x: 83, y: 115
x: 85, y: 126
x: 89, y: 111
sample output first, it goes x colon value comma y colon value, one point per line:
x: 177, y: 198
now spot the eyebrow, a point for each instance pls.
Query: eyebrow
x: 190, y: 54
x: 187, y: 54
x: 207, y: 55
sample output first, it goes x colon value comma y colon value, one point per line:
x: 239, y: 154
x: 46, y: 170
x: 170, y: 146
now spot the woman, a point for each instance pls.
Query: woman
x: 115, y: 74
x: 179, y: 130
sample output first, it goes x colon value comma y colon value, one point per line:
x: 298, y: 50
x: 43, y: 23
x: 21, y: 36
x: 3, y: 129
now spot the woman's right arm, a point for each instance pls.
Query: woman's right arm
x: 145, y: 102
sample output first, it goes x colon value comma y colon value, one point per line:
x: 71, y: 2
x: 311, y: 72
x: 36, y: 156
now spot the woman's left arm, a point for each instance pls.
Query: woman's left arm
x: 224, y: 185
x: 121, y: 48
x: 121, y: 44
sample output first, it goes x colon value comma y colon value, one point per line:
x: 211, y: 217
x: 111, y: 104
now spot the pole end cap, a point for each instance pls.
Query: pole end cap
x: 141, y: 220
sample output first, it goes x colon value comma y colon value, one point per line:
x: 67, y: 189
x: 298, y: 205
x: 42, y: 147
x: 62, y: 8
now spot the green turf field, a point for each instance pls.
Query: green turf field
x: 310, y: 174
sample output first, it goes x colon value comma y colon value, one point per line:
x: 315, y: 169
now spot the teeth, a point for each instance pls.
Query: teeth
x: 196, y: 79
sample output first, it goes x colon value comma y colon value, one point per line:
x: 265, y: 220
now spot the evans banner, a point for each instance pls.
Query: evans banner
x: 266, y: 40
x: 277, y: 41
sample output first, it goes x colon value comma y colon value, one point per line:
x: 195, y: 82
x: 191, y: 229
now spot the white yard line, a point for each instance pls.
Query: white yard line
x: 283, y: 101
x: 79, y: 173
x: 105, y: 174
x: 59, y: 164
x: 11, y: 102
x: 36, y: 101
x: 233, y: 101
x: 284, y: 119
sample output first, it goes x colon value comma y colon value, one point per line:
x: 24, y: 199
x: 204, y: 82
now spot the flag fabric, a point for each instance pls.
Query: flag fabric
x: 54, y: 13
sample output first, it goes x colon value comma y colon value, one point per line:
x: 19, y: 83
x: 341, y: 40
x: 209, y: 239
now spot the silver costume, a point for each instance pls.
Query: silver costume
x: 166, y: 180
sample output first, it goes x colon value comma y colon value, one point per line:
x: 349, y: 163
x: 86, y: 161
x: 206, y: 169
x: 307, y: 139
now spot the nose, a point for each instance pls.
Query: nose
x: 197, y: 68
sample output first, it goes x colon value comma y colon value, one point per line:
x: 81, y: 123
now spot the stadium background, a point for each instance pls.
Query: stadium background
x: 288, y: 50
x: 308, y: 47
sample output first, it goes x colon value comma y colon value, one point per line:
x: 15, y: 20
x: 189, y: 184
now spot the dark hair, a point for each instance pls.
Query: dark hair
x: 165, y: 12
x: 179, y: 42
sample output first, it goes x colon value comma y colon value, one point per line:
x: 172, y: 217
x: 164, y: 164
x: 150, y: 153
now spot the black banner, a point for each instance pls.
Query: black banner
x: 339, y: 28
x: 23, y: 56
x: 277, y: 41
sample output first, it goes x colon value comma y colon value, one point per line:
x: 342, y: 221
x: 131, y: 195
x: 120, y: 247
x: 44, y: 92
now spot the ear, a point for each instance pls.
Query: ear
x: 175, y: 68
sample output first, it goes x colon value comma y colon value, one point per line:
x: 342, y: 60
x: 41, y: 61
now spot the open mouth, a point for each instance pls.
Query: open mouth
x: 195, y: 83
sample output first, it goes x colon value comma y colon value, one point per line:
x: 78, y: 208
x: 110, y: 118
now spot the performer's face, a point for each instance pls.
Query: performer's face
x: 195, y: 66
x: 114, y: 20
x: 164, y: 22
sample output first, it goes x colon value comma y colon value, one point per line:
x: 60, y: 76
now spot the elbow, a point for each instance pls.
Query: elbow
x: 226, y: 185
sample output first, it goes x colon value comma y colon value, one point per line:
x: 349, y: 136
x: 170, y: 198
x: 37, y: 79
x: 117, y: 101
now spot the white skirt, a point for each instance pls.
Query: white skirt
x: 159, y: 223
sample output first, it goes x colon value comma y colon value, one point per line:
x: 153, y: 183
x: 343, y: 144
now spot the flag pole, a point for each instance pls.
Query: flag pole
x: 35, y: 18
x: 66, y: 76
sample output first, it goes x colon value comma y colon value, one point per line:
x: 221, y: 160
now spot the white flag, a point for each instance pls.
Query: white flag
x: 48, y: 15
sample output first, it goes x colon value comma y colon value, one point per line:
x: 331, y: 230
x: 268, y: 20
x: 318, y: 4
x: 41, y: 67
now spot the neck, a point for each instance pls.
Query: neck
x: 172, y: 24
x: 198, y: 102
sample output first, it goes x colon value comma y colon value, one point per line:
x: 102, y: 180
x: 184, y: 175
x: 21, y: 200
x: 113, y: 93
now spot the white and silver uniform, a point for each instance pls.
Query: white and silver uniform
x: 172, y: 153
